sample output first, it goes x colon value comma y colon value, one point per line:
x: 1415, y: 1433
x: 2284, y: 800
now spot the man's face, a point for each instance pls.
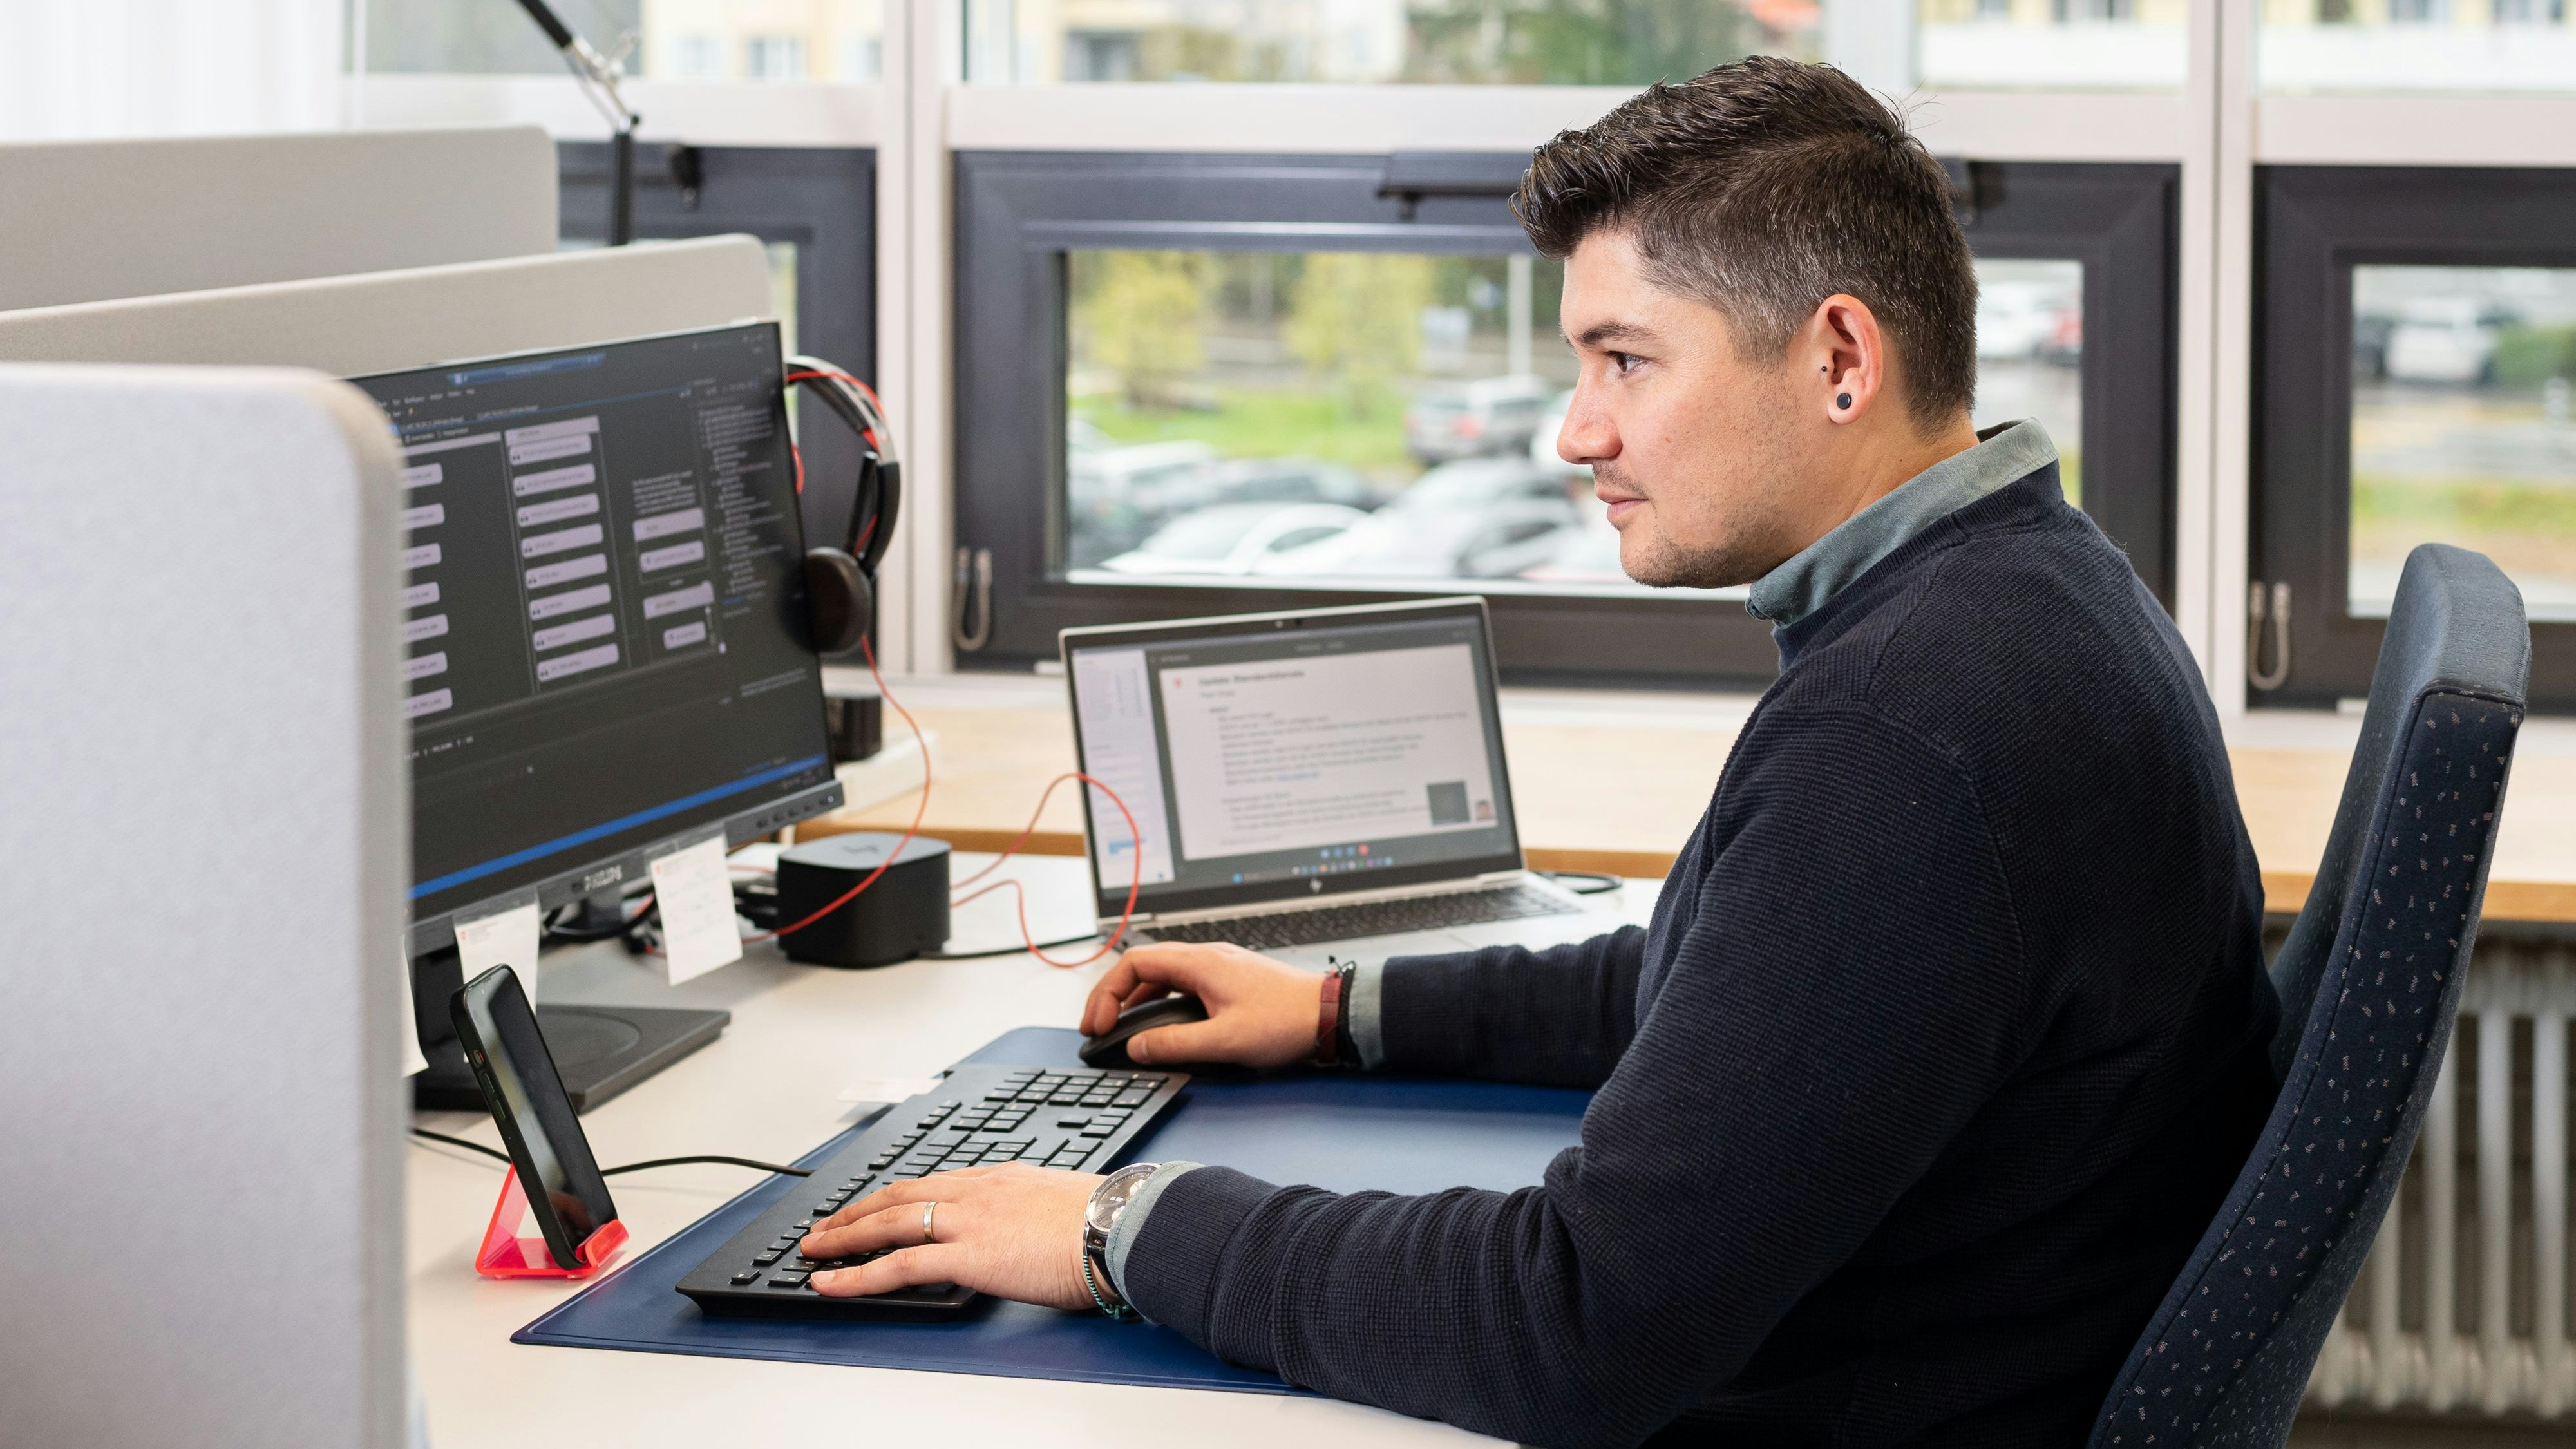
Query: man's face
x: 1690, y: 445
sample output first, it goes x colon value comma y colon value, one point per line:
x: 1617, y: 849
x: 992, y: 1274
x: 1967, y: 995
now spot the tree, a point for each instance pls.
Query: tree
x: 1138, y: 316
x: 1356, y: 319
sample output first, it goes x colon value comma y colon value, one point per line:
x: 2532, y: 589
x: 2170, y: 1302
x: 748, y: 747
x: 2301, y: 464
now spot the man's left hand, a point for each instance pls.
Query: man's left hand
x: 1014, y: 1231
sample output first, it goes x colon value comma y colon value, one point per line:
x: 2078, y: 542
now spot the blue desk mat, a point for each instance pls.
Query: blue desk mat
x: 1343, y: 1131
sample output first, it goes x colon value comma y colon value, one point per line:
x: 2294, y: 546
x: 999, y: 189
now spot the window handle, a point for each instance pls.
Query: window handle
x: 2279, y: 673
x: 972, y: 595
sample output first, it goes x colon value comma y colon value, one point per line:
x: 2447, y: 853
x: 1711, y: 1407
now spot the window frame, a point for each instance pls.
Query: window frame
x: 2314, y: 224
x: 823, y: 200
x: 1018, y: 212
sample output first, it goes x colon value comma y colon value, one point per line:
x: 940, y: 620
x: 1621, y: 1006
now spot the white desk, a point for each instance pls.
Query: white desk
x: 771, y: 1088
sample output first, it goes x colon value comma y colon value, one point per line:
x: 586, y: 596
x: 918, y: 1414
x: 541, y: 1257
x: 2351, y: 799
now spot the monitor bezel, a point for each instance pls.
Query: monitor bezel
x: 1111, y: 896
x: 630, y: 868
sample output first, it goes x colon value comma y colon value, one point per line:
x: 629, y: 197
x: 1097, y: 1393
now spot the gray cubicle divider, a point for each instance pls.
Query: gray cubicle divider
x: 201, y: 901
x: 383, y: 321
x: 89, y: 220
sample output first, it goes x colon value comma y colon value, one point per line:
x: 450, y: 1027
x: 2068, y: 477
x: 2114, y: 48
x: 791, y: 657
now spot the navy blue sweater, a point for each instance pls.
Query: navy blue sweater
x: 1945, y: 1041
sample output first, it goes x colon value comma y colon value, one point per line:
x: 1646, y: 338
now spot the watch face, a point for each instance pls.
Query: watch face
x: 1114, y: 1193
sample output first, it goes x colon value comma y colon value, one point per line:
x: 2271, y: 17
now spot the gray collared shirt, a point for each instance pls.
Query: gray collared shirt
x: 1800, y: 585
x: 2004, y: 454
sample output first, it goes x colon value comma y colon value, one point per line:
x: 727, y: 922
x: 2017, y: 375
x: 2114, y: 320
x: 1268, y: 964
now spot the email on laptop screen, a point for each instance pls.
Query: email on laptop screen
x: 1291, y: 755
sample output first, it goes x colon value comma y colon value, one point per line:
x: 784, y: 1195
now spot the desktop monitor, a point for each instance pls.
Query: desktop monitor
x: 605, y: 647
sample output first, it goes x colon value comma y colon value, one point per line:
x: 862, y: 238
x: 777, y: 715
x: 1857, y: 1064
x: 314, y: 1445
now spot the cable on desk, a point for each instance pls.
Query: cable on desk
x: 1601, y: 882
x: 869, y: 652
x: 718, y: 1159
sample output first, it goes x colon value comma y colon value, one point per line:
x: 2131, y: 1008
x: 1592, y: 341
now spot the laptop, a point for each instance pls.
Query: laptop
x: 1317, y: 785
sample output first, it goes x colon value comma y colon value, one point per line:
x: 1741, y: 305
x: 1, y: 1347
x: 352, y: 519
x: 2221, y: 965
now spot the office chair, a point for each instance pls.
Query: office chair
x: 2370, y: 983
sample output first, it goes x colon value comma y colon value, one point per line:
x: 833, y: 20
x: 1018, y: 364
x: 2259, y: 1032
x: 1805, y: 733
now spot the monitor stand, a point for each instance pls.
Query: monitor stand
x: 599, y: 1051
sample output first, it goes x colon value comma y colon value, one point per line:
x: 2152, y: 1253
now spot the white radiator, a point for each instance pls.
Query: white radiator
x: 2462, y: 1304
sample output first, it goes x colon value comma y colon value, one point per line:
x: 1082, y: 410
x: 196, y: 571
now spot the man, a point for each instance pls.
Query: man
x: 1948, y: 1033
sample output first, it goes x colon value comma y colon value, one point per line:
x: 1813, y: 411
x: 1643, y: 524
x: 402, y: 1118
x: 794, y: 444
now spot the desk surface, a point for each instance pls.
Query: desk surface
x: 1615, y: 783
x: 803, y: 1039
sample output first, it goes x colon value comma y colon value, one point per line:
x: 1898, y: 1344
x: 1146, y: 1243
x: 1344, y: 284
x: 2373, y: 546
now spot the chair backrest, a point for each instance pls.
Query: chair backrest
x: 2370, y: 983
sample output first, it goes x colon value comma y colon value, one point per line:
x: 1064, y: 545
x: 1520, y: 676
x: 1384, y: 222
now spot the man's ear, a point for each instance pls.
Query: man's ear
x: 1847, y: 355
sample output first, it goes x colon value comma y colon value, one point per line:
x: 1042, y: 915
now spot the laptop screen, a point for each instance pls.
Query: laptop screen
x: 1271, y: 756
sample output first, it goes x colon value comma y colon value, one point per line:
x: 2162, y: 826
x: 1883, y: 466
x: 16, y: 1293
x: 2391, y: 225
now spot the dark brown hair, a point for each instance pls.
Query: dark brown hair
x: 1762, y: 188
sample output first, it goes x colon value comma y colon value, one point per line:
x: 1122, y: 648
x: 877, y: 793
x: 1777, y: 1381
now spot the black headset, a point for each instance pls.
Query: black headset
x: 840, y: 583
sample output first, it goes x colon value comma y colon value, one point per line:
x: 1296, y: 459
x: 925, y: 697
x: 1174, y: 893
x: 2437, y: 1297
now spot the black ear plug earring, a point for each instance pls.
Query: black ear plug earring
x: 1842, y: 399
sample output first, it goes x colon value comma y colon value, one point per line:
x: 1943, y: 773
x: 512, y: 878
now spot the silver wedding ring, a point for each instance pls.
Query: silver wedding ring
x: 926, y: 1210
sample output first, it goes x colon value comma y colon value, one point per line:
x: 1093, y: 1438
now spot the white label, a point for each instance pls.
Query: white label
x: 421, y: 557
x: 563, y: 541
x: 663, y: 525
x: 425, y: 666
x: 565, y: 665
x: 529, y: 485
x: 412, y: 1061
x: 428, y: 515
x: 685, y: 635
x: 580, y: 505
x: 588, y: 566
x: 420, y: 596
x: 423, y: 475
x: 508, y: 939
x: 425, y: 628
x: 430, y: 703
x: 695, y: 895
x: 568, y: 602
x: 596, y: 626
x: 695, y: 596
x: 450, y: 445
x: 653, y: 559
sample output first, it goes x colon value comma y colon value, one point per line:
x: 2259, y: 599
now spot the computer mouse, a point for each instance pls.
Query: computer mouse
x: 1109, y: 1049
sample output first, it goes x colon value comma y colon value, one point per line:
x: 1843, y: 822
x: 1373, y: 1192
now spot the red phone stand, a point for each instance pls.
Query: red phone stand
x: 507, y: 1255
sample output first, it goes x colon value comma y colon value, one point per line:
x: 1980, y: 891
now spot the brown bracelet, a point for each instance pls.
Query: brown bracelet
x: 1328, y: 1020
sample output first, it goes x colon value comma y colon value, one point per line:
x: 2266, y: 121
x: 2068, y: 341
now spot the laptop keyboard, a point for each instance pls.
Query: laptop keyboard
x: 1282, y: 929
x: 1074, y: 1118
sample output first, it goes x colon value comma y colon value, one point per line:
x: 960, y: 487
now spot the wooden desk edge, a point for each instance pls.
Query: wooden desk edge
x: 2284, y: 891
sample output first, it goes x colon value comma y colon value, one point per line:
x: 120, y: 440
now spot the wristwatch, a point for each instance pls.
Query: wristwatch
x: 1099, y: 1217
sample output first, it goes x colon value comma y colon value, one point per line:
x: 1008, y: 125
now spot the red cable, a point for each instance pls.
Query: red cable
x: 1136, y: 848
x: 909, y: 831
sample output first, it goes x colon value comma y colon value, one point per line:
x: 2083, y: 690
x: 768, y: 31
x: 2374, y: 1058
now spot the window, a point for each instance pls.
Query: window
x: 675, y: 39
x: 2419, y: 358
x: 815, y: 207
x: 1256, y: 382
x: 2417, y: 45
x: 2050, y: 44
x: 1510, y: 42
x: 773, y: 57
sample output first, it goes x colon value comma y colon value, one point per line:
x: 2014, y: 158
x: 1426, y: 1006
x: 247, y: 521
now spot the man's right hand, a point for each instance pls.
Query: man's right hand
x: 1261, y: 1012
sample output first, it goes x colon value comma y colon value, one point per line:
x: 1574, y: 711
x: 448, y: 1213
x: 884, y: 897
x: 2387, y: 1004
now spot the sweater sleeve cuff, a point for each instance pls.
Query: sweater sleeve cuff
x: 1174, y: 1258
x: 1122, y: 1234
x: 1368, y: 1029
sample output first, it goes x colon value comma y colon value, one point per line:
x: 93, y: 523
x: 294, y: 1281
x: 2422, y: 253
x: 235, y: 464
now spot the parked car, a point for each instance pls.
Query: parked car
x: 1471, y: 419
x: 1475, y: 518
x: 1115, y: 496
x: 1542, y: 443
x: 1288, y: 479
x: 2031, y: 319
x: 1233, y: 538
x: 2444, y: 339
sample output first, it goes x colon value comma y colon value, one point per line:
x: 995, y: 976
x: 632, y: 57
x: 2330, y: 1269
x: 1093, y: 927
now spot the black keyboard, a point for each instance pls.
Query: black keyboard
x: 1369, y: 918
x: 1074, y: 1118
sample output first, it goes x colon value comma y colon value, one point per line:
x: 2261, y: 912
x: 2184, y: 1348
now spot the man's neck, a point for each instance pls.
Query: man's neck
x: 1888, y: 463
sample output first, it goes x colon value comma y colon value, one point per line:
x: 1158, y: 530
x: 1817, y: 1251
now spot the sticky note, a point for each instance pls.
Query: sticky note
x: 508, y: 939
x: 412, y: 1061
x: 694, y: 893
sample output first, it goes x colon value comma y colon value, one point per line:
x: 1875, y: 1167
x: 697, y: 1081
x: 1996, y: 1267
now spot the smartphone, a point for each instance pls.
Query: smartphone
x: 517, y: 1074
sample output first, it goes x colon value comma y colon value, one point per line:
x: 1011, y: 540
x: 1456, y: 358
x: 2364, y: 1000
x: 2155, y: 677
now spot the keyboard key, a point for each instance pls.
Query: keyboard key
x: 1099, y: 1129
x: 745, y: 1280
x: 765, y: 1259
x: 786, y: 1280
